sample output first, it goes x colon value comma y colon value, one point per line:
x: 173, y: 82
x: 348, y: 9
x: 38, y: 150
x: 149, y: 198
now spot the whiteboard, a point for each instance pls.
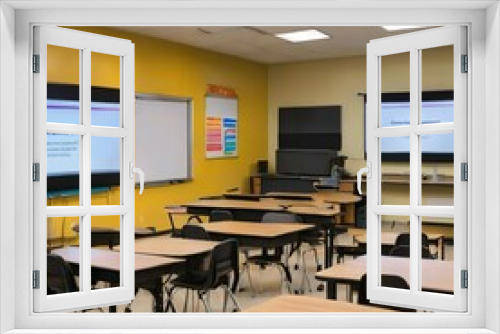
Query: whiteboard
x: 163, y: 138
x: 221, y: 127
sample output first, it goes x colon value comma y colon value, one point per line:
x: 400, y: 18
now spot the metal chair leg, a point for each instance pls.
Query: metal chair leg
x: 201, y: 296
x: 233, y: 298
x: 224, y: 303
x: 186, y: 301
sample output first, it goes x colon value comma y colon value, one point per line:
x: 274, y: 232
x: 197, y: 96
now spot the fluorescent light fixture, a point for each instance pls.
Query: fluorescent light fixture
x: 303, y: 36
x: 396, y: 28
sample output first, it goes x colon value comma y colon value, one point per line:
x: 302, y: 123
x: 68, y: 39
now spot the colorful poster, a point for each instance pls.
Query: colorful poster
x: 221, y: 127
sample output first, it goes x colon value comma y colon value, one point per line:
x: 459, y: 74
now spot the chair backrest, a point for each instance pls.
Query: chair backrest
x: 60, y: 278
x: 224, y: 261
x: 194, y: 231
x: 403, y: 239
x: 280, y: 217
x: 389, y: 281
x: 404, y: 251
x: 220, y: 215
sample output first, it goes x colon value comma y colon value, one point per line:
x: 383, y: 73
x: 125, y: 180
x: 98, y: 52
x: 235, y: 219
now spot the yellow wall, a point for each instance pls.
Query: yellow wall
x: 173, y: 69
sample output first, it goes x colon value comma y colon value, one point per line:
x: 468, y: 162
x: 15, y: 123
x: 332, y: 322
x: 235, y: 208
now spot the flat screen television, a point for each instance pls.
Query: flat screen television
x: 437, y: 107
x: 316, y: 127
x: 63, y: 151
x: 304, y: 162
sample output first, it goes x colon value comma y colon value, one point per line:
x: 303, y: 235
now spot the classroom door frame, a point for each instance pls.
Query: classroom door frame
x: 483, y: 43
x: 414, y: 45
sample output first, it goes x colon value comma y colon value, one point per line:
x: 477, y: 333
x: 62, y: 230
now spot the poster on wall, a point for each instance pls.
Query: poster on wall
x: 221, y: 126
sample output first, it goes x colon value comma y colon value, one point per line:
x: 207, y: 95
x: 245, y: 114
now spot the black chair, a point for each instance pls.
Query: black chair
x: 403, y: 239
x: 60, y: 277
x: 220, y: 215
x: 389, y: 281
x: 223, y: 263
x: 404, y: 251
x: 194, y: 231
x: 275, y: 258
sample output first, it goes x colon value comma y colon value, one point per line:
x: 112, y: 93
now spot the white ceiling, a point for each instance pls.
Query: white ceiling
x: 259, y: 43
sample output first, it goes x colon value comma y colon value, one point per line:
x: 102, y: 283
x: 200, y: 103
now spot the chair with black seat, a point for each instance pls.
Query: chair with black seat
x: 403, y: 239
x: 404, y: 251
x: 223, y: 264
x: 60, y: 277
x: 220, y: 215
x: 278, y: 257
x: 389, y: 281
x: 194, y: 231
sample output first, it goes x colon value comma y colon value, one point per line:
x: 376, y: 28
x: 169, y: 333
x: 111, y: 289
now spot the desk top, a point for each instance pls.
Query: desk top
x: 389, y: 238
x: 255, y: 229
x: 437, y: 275
x: 102, y: 229
x: 267, y: 205
x: 291, y: 303
x: 110, y: 260
x: 174, y: 247
x: 330, y: 196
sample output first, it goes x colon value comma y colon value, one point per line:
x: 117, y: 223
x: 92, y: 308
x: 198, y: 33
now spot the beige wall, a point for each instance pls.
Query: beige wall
x: 338, y: 81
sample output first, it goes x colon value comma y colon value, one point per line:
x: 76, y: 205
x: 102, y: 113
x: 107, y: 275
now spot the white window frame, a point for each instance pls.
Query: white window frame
x: 484, y: 49
x: 85, y: 43
x: 413, y: 44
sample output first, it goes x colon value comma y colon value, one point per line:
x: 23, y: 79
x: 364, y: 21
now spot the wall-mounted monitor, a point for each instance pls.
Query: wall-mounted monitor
x: 437, y: 107
x: 315, y: 127
x: 63, y: 151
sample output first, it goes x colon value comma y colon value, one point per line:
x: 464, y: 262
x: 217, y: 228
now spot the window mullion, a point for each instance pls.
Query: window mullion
x: 85, y: 167
x: 414, y: 170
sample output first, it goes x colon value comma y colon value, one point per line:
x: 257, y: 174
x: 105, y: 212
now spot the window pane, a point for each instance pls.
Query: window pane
x: 106, y: 162
x: 395, y: 77
x: 105, y: 90
x: 105, y: 234
x: 437, y: 85
x: 395, y: 245
x: 395, y: 171
x: 437, y: 273
x: 63, y: 169
x: 62, y: 232
x: 63, y: 66
x: 437, y: 169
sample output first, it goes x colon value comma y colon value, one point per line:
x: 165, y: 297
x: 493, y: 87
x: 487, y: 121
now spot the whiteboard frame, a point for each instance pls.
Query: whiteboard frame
x: 190, y: 141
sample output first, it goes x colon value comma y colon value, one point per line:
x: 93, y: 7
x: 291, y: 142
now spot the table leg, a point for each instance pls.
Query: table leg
x: 158, y: 295
x: 331, y: 289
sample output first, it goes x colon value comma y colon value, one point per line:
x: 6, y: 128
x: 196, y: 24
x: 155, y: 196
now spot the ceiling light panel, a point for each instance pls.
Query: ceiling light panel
x: 303, y: 36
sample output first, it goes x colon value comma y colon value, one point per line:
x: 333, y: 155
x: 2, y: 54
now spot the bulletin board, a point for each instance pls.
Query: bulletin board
x: 221, y: 127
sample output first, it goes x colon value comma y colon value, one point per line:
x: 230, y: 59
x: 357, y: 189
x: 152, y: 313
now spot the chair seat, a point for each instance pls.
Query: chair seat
x: 263, y: 258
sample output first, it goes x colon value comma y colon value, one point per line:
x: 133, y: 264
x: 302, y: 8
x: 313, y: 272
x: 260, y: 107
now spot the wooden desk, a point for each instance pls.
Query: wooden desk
x: 110, y: 236
x: 106, y: 267
x: 174, y: 247
x: 262, y: 235
x: 290, y: 303
x: 437, y: 275
x: 244, y: 210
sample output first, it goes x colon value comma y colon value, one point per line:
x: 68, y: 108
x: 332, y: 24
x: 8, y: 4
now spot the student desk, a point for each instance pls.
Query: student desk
x: 262, y: 235
x: 437, y: 275
x: 291, y: 303
x: 173, y: 247
x: 320, y: 215
x: 388, y: 240
x: 110, y: 236
x: 106, y: 267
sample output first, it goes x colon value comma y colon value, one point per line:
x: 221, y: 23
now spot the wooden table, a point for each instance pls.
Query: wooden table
x: 291, y: 303
x: 110, y: 236
x: 105, y: 266
x: 388, y: 240
x: 245, y: 210
x: 262, y: 235
x: 174, y: 247
x: 437, y: 275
